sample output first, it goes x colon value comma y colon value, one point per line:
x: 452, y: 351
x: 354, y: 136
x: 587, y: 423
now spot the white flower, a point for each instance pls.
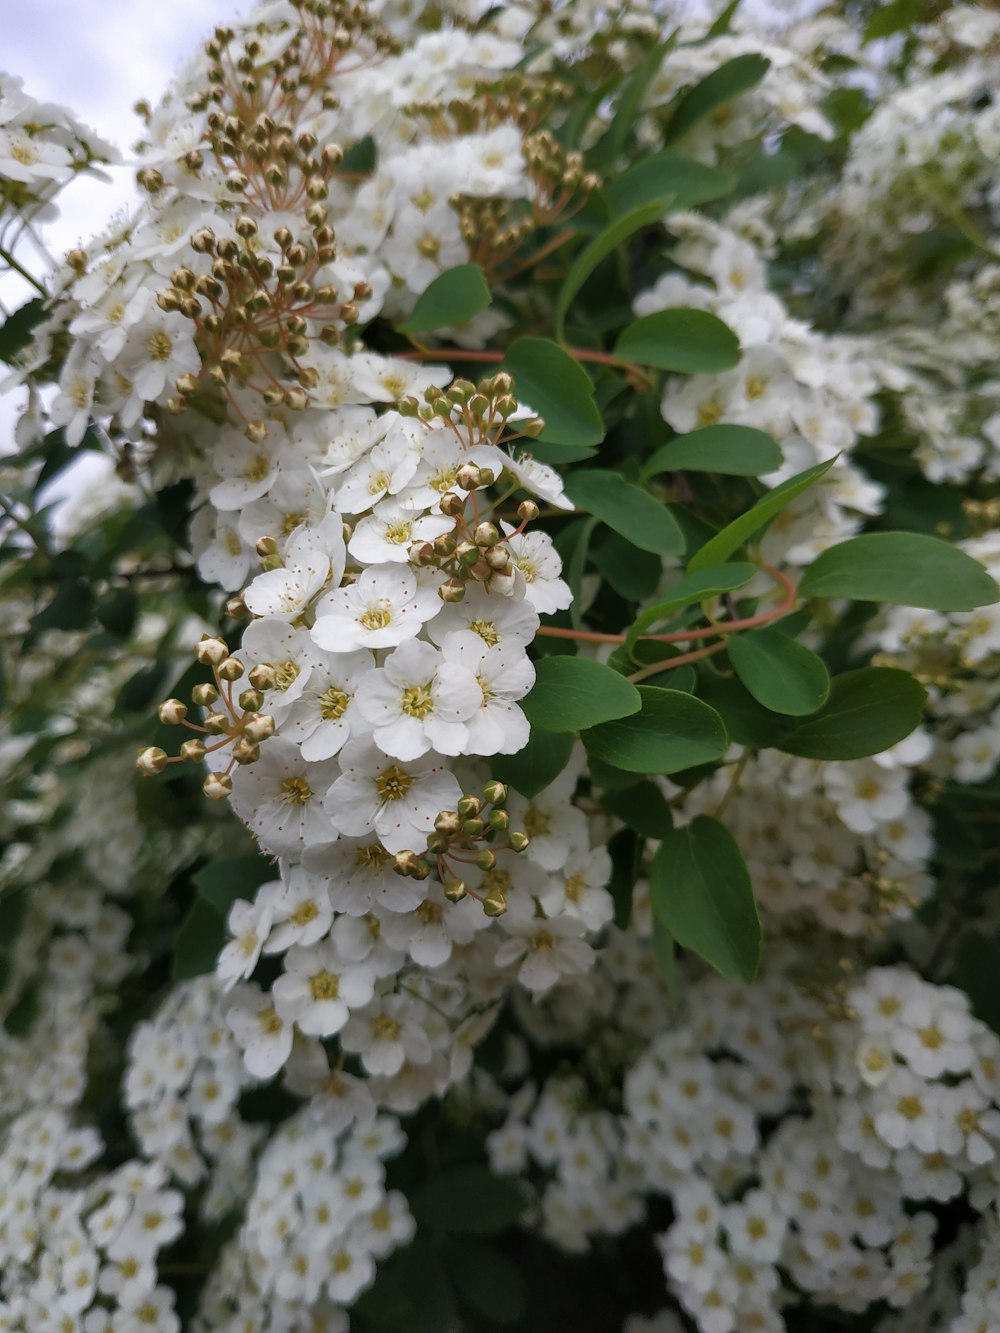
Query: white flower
x: 360, y: 876
x: 386, y: 1035
x: 536, y: 558
x: 384, y: 470
x: 384, y: 606
x: 327, y: 713
x: 249, y: 924
x: 290, y: 653
x: 397, y: 801
x: 318, y: 988
x: 388, y: 532
x: 579, y: 889
x: 419, y: 700
x: 266, y: 1039
x: 504, y: 674
x: 313, y: 558
x: 547, y: 949
x: 302, y: 911
x: 281, y: 797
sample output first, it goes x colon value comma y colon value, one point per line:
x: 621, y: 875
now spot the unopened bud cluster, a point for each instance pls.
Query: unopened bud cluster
x: 239, y: 728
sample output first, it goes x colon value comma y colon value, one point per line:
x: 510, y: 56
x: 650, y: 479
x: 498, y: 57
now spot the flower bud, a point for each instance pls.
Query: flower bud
x: 494, y: 904
x: 204, y: 695
x: 251, y: 701
x: 495, y: 793
x: 231, y: 669
x: 259, y: 727
x: 517, y: 841
x: 210, y: 652
x: 497, y: 558
x: 217, y: 723
x: 448, y: 823
x: 172, y: 712
x: 193, y: 750
x: 151, y: 761
x: 467, y: 477
x: 266, y: 546
x: 451, y: 591
x: 473, y: 828
x: 469, y: 806
x: 246, y: 751
x: 411, y: 866
x: 262, y: 676
x: 455, y: 890
x: 217, y: 786
x: 466, y: 553
x: 527, y: 511
x: 499, y: 821
x: 452, y: 505
x: 437, y: 844
x: 486, y: 860
x: 486, y: 534
x: 236, y: 609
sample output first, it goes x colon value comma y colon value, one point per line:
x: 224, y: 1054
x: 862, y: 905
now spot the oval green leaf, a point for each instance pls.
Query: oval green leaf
x: 667, y: 179
x: 541, y: 761
x: 906, y: 568
x: 867, y: 712
x: 734, y: 451
x: 733, y: 535
x: 695, y: 587
x: 572, y: 693
x: 599, y: 248
x: 469, y: 1199
x: 452, y: 298
x: 556, y: 387
x: 783, y: 675
x: 682, y: 339
x: 715, y: 90
x: 672, y: 731
x: 701, y: 893
x: 625, y: 507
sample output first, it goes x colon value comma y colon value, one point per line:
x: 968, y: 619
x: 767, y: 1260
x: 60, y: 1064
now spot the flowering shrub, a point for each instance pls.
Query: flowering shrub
x: 559, y: 892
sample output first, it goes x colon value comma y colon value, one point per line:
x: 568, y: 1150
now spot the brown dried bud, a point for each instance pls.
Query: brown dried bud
x: 263, y: 676
x: 231, y: 669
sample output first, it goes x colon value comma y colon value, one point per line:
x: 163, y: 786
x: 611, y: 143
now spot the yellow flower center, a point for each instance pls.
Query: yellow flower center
x: 418, y: 701
x: 393, y: 783
x: 295, y: 791
x: 324, y: 986
x: 332, y: 703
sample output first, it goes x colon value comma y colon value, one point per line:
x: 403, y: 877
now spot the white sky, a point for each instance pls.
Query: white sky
x: 98, y: 57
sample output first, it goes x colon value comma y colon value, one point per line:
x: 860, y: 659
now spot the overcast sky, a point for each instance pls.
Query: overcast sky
x: 99, y: 57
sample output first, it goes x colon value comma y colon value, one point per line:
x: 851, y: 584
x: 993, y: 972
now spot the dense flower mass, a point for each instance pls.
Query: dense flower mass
x: 568, y: 437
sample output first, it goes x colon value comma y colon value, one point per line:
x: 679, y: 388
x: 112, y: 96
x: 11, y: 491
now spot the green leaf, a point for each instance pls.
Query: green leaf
x: 541, y: 761
x: 629, y: 510
x: 735, y: 451
x: 556, y: 387
x: 682, y: 339
x: 200, y: 939
x: 891, y: 18
x: 746, y: 721
x: 360, y: 159
x: 667, y: 179
x: 634, y: 574
x: 906, y: 568
x: 783, y: 675
x: 715, y: 90
x: 625, y: 850
x: 591, y: 255
x: 629, y: 103
x: 17, y: 328
x: 976, y: 968
x: 72, y: 607
x: 220, y: 883
x: 468, y: 1200
x: 489, y: 1282
x: 867, y: 712
x: 733, y: 535
x: 118, y: 612
x: 411, y: 1291
x: 672, y: 731
x: 571, y: 693
x: 642, y: 807
x: 452, y: 298
x: 697, y: 587
x: 701, y: 892
x: 666, y: 961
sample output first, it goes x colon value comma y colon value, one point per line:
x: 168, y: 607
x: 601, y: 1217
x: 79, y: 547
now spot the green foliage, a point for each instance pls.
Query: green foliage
x: 740, y: 451
x: 740, y: 530
x: 714, y: 91
x: 703, y: 584
x: 668, y: 179
x: 702, y: 894
x: 670, y: 732
x: 538, y: 764
x: 628, y: 509
x: 680, y: 339
x: 867, y: 712
x: 599, y: 248
x: 557, y: 388
x: 572, y: 693
x: 454, y: 297
x: 908, y: 568
x: 783, y: 675
x: 468, y: 1200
